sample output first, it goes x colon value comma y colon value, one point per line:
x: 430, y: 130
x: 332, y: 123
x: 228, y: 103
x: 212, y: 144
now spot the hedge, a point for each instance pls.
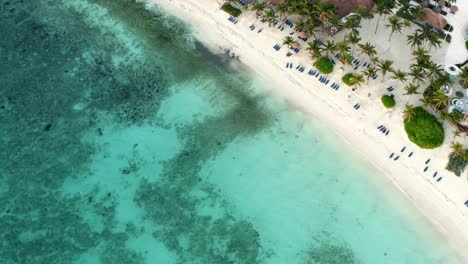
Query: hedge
x: 388, y: 101
x: 423, y: 129
x: 324, y: 65
x: 231, y: 10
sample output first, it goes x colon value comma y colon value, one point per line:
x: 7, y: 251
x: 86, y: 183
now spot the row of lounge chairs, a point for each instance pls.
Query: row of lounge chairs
x: 393, y: 154
x: 233, y: 20
x: 252, y: 27
x: 390, y: 89
x: 277, y: 47
x: 289, y: 23
x: 289, y: 65
x: 319, y: 41
x: 313, y: 73
x: 281, y: 27
x: 324, y: 80
x: 335, y: 86
x: 300, y: 68
x: 296, y: 50
x: 357, y: 106
x: 243, y: 3
x: 383, y: 129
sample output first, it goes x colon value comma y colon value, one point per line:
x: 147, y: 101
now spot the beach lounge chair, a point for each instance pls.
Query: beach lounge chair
x: 391, y: 155
x: 427, y: 161
x: 379, y: 127
x: 337, y: 87
x: 435, y: 174
x: 260, y: 30
x: 386, y: 133
x: 384, y: 130
x: 411, y: 154
x: 355, y: 68
x: 287, y: 65
x: 327, y: 81
x: 440, y: 178
x: 397, y: 157
x: 425, y: 169
x: 317, y: 74
x: 403, y: 149
x: 466, y: 203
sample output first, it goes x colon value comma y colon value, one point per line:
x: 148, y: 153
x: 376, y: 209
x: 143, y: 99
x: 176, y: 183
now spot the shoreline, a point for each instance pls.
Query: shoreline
x: 440, y: 202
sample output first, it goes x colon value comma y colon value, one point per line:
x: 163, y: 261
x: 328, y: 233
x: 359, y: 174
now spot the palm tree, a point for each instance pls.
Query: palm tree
x: 421, y: 55
x: 439, y: 99
x: 270, y: 16
x: 383, y: 8
x: 288, y: 41
x: 367, y: 49
x: 426, y: 102
x: 408, y: 113
x: 417, y: 12
x: 352, y: 23
x: 395, y: 24
x: 354, y: 39
x: 299, y: 25
x: 411, y: 89
x: 346, y: 58
x: 324, y: 11
x: 418, y: 75
x: 464, y: 76
x: 342, y: 48
x: 357, y: 79
x: 444, y: 79
x: 385, y: 66
x: 329, y: 46
x: 414, y: 39
x: 363, y: 13
x: 314, y: 49
x: 400, y: 76
x: 433, y: 70
x: 282, y: 9
x: 369, y: 72
x: 457, y: 148
x: 311, y: 27
x: 434, y: 40
x: 258, y: 7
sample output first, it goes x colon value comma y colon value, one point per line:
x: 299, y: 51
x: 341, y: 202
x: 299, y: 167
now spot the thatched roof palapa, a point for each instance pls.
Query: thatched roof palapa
x: 434, y: 19
x: 302, y: 34
x: 344, y: 7
x: 296, y: 45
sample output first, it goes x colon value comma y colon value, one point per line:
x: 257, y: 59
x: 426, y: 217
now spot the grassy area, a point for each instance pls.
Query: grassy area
x: 231, y: 10
x: 388, y: 101
x: 324, y: 65
x: 423, y: 129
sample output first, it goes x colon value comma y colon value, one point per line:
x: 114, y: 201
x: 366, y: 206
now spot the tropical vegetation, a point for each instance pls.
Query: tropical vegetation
x: 324, y: 65
x: 388, y: 101
x: 235, y: 12
x: 423, y: 128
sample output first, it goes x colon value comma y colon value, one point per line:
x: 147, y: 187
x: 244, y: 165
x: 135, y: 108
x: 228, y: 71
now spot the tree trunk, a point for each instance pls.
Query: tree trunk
x: 377, y: 26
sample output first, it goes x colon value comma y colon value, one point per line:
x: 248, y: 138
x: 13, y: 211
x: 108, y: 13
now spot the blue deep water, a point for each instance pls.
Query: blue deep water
x: 124, y: 140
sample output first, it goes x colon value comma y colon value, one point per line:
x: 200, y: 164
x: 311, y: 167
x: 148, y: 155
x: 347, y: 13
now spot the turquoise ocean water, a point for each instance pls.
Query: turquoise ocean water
x: 123, y: 140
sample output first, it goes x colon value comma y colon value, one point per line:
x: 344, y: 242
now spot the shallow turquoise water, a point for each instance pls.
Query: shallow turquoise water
x: 125, y: 141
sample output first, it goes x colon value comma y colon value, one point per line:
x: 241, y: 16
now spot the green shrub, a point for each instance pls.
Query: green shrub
x: 388, y: 101
x: 456, y: 163
x: 231, y: 10
x: 348, y: 79
x: 459, y: 94
x: 423, y: 129
x: 324, y: 65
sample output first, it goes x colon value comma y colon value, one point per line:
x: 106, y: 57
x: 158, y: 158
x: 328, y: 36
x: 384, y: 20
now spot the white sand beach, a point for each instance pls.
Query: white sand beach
x: 442, y: 202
